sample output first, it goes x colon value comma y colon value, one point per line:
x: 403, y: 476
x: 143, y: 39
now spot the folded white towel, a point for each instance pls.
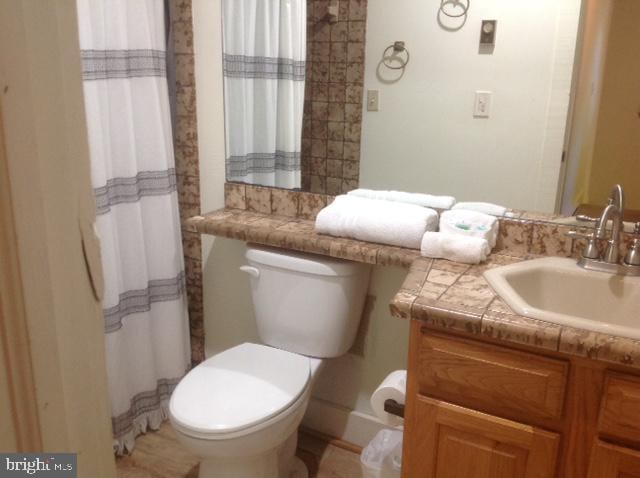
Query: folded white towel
x: 470, y: 223
x: 371, y: 220
x: 454, y: 247
x: 425, y: 200
x: 485, y: 207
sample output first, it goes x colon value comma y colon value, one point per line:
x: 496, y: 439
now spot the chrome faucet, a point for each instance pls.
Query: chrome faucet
x: 615, y: 210
x: 610, y: 260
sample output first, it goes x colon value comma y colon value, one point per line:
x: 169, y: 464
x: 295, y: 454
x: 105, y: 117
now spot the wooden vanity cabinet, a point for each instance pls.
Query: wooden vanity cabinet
x: 481, y: 410
x: 456, y: 442
x: 610, y: 461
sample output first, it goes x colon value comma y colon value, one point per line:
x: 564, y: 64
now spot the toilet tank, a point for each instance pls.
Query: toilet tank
x: 305, y: 303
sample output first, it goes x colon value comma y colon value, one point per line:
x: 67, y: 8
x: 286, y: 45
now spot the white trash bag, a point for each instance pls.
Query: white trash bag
x: 382, y: 457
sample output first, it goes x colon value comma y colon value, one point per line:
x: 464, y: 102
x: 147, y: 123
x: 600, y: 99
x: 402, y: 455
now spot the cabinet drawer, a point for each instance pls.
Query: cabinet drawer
x: 620, y: 410
x: 494, y: 379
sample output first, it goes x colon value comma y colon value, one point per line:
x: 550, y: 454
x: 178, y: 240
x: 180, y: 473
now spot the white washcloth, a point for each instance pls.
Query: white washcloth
x: 371, y: 220
x: 485, y: 207
x: 470, y: 223
x: 425, y: 200
x: 454, y: 247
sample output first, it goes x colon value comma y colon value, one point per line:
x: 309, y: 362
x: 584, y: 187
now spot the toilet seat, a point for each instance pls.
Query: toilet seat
x: 238, y: 389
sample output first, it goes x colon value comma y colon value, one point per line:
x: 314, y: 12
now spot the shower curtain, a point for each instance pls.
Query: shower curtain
x: 123, y: 47
x: 264, y: 71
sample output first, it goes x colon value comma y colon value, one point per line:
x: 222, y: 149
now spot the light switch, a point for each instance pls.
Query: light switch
x: 373, y: 100
x: 482, y: 104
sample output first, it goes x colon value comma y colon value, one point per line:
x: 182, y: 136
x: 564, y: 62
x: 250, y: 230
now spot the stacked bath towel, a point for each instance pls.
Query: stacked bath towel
x: 419, y: 199
x: 465, y: 236
x: 470, y: 224
x: 485, y: 207
x: 401, y: 219
x: 386, y: 222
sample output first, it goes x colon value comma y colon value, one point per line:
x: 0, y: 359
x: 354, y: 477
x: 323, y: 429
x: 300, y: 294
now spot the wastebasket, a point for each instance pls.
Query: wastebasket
x: 382, y: 457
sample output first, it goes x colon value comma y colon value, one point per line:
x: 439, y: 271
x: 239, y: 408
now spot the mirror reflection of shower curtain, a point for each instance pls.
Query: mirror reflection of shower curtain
x: 264, y: 71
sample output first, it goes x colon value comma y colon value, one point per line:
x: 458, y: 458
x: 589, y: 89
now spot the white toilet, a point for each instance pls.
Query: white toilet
x: 239, y: 410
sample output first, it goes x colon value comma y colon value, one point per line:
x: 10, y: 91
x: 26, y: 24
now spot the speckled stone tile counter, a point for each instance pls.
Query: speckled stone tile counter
x: 456, y: 297
x: 446, y: 295
x: 296, y: 233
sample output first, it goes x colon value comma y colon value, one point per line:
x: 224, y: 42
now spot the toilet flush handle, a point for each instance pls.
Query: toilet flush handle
x: 252, y: 271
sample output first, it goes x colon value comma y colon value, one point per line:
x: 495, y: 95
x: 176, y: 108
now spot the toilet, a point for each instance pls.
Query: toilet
x: 239, y: 411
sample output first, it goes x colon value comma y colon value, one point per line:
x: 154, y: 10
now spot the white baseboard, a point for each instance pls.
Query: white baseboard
x: 340, y: 422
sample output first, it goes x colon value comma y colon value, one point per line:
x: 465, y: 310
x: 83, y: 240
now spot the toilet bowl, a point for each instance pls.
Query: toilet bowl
x: 239, y: 410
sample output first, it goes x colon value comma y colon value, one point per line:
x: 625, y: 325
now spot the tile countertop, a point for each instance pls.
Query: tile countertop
x: 296, y: 234
x: 445, y: 295
x: 456, y: 297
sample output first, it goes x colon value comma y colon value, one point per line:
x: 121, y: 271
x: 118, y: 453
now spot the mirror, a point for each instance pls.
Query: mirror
x: 531, y: 105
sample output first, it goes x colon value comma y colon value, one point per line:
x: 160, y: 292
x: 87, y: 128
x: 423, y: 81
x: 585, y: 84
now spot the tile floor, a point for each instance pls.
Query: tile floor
x: 159, y: 455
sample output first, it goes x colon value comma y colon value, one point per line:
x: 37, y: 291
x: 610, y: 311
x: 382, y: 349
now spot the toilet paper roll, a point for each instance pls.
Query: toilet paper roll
x: 393, y: 386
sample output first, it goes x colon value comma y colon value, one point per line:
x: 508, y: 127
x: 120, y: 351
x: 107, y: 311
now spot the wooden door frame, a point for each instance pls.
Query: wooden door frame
x: 57, y: 324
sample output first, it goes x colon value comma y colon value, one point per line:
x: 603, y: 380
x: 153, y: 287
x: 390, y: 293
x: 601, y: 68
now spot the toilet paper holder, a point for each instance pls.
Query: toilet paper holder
x: 393, y: 407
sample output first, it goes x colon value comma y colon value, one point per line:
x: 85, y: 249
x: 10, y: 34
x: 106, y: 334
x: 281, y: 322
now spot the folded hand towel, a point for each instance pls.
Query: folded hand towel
x: 485, y: 207
x: 425, y: 200
x: 385, y: 222
x: 470, y: 223
x: 454, y: 247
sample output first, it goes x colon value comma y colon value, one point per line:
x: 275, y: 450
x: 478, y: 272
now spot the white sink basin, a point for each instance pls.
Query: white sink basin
x: 557, y: 290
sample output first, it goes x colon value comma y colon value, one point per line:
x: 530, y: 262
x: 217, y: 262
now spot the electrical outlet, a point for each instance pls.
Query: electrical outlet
x: 373, y: 100
x: 488, y: 32
x: 482, y: 104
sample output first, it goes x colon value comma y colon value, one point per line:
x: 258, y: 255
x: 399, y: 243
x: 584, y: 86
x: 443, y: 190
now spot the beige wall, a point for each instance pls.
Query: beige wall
x: 48, y: 163
x: 347, y: 382
x: 594, y: 35
x: 224, y: 290
x: 616, y: 155
x: 425, y: 138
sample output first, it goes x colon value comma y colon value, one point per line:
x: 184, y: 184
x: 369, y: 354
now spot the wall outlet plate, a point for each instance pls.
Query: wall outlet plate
x: 482, y: 104
x: 488, y: 32
x: 373, y: 100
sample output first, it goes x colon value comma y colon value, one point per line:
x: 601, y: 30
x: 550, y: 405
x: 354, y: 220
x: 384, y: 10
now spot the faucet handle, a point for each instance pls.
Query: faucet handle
x: 590, y: 250
x: 632, y: 258
x: 585, y: 218
x: 574, y: 234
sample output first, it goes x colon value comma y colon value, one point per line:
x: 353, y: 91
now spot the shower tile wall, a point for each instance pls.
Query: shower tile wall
x: 332, y: 119
x: 187, y: 166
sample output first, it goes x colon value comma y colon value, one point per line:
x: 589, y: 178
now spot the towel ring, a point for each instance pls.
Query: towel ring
x: 398, y: 47
x: 464, y: 4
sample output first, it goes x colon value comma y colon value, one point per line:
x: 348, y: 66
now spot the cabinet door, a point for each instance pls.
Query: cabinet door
x: 609, y: 461
x: 448, y: 441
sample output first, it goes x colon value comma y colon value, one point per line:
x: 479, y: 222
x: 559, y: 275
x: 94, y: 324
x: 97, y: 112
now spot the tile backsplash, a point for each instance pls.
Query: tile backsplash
x: 185, y: 139
x: 280, y: 202
x: 522, y: 234
x: 332, y: 120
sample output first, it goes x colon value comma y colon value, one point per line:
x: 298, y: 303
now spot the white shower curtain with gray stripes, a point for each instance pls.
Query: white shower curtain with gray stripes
x: 264, y: 71
x: 129, y: 124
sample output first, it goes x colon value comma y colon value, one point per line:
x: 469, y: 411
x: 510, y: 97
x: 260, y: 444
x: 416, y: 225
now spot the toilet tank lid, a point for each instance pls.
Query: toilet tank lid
x: 300, y: 262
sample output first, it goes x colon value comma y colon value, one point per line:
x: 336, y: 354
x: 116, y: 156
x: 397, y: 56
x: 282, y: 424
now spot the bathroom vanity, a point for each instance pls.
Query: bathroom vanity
x: 491, y: 393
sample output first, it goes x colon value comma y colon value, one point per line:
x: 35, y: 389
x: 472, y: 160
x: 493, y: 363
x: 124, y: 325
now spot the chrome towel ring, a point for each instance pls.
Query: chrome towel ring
x: 460, y: 6
x: 398, y: 48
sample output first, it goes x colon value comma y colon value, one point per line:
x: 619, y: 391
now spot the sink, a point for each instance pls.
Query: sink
x: 557, y: 290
